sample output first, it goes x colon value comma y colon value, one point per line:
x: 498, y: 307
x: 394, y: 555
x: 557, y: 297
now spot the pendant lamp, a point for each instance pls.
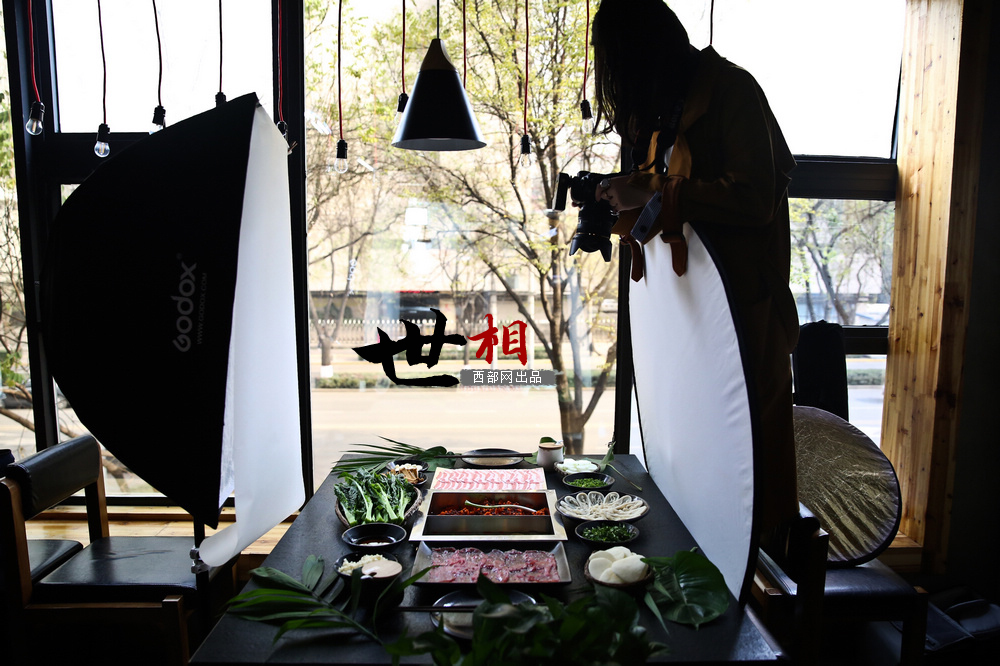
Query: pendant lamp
x: 438, y: 115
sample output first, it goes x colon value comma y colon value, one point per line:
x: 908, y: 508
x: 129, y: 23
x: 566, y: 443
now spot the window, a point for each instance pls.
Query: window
x: 842, y: 272
x: 402, y: 234
x: 830, y: 70
x: 189, y: 34
x: 16, y: 379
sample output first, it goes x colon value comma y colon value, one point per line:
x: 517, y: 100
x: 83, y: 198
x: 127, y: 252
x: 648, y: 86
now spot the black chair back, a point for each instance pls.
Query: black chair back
x: 53, y: 474
x: 819, y: 368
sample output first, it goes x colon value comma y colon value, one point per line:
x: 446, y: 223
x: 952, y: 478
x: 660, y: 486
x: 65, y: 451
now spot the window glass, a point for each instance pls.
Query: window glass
x: 842, y: 272
x: 15, y: 398
x: 830, y: 70
x: 402, y: 234
x: 189, y: 34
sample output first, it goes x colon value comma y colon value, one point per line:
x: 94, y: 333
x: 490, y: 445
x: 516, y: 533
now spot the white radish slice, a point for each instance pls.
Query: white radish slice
x: 630, y: 569
x: 609, y: 576
x: 598, y: 566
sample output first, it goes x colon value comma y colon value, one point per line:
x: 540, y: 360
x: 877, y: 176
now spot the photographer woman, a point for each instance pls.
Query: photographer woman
x: 707, y: 148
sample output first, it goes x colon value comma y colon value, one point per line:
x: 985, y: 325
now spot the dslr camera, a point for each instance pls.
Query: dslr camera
x: 593, y: 231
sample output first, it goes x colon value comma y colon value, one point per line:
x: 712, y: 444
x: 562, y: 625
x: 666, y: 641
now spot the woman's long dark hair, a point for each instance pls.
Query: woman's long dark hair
x: 641, y: 64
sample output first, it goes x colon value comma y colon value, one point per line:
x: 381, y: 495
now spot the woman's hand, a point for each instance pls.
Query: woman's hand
x: 621, y: 195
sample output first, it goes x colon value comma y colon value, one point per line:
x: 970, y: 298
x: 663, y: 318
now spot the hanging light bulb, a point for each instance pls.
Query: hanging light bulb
x: 586, y: 118
x: 340, y: 164
x: 400, y: 107
x: 527, y: 157
x: 220, y: 99
x: 159, y: 119
x: 34, y: 125
x: 102, y: 148
x: 283, y: 128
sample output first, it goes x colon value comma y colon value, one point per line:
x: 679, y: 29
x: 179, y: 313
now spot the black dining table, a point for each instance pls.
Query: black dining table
x: 732, y: 637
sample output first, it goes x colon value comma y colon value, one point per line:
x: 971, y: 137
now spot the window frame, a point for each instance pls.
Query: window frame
x: 43, y: 164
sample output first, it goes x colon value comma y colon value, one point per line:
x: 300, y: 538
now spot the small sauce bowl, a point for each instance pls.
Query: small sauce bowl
x: 374, y: 537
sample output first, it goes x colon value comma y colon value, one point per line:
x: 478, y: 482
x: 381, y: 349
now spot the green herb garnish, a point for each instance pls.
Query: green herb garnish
x: 608, y: 533
x: 587, y: 483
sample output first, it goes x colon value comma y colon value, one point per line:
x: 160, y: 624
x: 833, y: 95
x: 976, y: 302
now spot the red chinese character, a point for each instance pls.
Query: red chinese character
x: 489, y: 339
x: 519, y: 339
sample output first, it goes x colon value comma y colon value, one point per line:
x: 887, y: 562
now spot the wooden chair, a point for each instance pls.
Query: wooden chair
x: 852, y: 490
x: 144, y: 581
x: 788, y: 586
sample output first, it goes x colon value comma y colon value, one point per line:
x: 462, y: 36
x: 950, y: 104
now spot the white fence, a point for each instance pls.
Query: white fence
x: 356, y: 332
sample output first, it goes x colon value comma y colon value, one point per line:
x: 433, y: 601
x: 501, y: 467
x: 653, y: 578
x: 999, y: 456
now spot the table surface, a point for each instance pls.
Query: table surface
x: 733, y: 637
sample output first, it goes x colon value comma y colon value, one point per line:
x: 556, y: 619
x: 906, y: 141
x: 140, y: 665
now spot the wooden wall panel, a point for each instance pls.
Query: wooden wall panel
x: 938, y: 160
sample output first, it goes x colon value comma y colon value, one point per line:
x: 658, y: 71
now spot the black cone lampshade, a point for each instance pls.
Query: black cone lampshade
x: 438, y: 116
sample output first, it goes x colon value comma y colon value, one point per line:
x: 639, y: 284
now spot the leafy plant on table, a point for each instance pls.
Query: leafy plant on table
x: 597, y: 630
x: 309, y: 603
x: 375, y: 457
x: 367, y: 497
x: 686, y: 588
x: 606, y: 462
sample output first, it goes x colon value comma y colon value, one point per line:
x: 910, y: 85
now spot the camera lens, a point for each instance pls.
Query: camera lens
x: 589, y: 242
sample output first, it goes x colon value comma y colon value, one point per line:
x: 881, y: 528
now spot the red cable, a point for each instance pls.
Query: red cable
x: 527, y: 37
x: 711, y: 22
x: 281, y: 115
x: 340, y: 105
x: 159, y: 52
x: 31, y: 41
x: 586, y: 52
x: 402, y: 66
x: 104, y: 62
x: 465, y: 61
x: 220, y: 45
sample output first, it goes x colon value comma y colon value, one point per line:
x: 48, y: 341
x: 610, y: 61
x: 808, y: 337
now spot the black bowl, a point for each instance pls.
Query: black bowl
x: 374, y: 537
x: 606, y: 480
x: 633, y: 533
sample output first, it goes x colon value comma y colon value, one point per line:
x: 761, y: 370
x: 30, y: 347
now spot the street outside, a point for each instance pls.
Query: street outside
x: 460, y: 419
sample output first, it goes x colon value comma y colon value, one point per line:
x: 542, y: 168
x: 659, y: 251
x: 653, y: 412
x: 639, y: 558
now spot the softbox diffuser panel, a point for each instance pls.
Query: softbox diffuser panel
x: 694, y: 408
x: 138, y: 300
x: 262, y: 409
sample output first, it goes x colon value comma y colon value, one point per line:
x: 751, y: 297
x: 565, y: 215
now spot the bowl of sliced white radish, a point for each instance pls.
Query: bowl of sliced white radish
x: 618, y: 567
x: 575, y: 465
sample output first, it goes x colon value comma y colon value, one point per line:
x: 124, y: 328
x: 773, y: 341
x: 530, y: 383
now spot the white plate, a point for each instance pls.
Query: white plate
x: 459, y: 624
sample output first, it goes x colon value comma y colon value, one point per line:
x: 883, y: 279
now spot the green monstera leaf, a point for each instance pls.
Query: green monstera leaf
x: 687, y: 588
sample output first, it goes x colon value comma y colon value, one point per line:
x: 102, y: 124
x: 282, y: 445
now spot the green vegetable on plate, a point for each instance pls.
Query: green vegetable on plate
x: 367, y: 497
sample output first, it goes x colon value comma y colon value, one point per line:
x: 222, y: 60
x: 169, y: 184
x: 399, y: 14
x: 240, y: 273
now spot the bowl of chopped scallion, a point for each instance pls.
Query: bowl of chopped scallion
x: 605, y: 533
x: 588, y: 481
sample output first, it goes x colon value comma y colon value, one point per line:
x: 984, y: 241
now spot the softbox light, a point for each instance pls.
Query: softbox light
x: 168, y: 317
x: 694, y: 407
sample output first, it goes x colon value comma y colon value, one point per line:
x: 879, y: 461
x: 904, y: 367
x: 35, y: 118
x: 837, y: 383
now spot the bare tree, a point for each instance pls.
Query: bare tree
x: 847, y: 246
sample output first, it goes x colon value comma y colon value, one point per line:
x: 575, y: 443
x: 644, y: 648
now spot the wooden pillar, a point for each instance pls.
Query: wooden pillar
x: 941, y: 104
